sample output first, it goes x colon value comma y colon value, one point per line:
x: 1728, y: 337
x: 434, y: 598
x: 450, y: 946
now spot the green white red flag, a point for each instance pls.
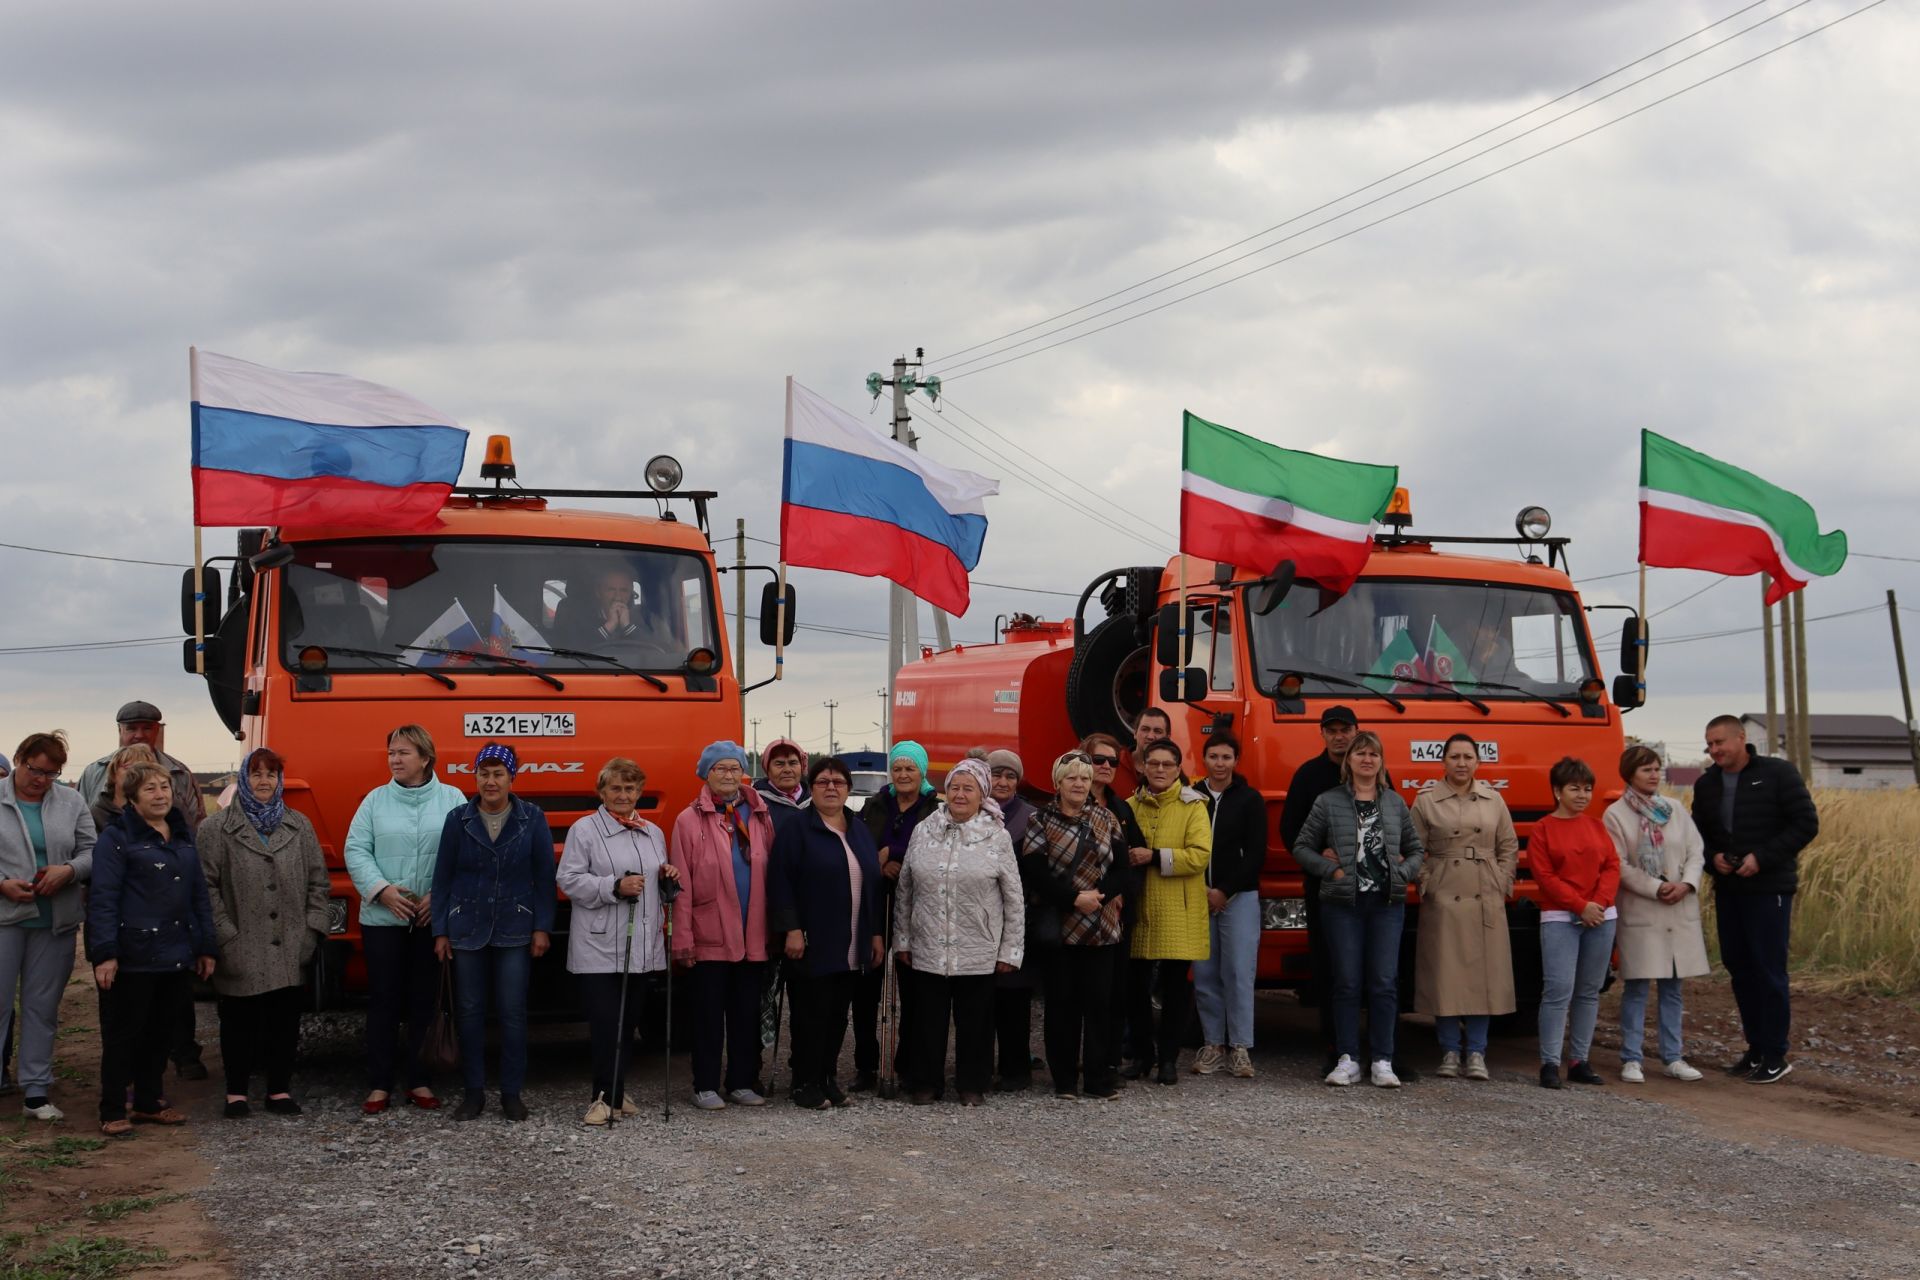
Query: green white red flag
x: 1697, y: 512
x: 1251, y: 504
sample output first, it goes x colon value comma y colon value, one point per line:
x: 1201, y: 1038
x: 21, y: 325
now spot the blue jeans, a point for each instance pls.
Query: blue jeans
x: 1223, y: 982
x: 1633, y: 1019
x: 1573, y: 964
x: 496, y: 975
x: 1363, y: 939
x: 1448, y: 1029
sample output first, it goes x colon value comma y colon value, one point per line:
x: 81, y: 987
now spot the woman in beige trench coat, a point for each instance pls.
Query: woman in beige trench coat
x: 1463, y: 972
x: 1661, y: 861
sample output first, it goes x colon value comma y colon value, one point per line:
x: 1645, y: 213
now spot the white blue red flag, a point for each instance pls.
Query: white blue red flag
x: 278, y: 448
x: 860, y: 502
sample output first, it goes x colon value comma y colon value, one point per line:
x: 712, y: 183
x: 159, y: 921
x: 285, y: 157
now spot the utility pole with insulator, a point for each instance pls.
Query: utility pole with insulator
x: 831, y: 745
x: 903, y: 607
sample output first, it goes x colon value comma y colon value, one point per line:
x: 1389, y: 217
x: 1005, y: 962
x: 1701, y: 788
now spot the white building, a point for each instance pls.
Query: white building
x: 1866, y: 753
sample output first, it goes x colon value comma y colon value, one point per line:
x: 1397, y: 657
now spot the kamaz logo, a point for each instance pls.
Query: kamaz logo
x: 1421, y: 784
x: 534, y: 766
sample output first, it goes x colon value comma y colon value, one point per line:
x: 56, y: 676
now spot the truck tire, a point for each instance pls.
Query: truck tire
x: 1107, y: 683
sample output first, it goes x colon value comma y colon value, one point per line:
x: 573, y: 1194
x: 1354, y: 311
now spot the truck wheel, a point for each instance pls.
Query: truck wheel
x: 1107, y: 683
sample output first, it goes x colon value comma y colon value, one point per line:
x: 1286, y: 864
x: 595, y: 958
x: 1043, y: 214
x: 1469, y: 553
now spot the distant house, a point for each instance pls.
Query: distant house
x: 1866, y: 753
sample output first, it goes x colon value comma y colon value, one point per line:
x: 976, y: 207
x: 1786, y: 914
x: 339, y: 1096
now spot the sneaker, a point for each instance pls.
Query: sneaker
x: 42, y: 1109
x: 1550, y: 1076
x: 1449, y: 1065
x: 1583, y: 1073
x: 1383, y: 1077
x: 1240, y: 1063
x: 512, y: 1107
x: 708, y: 1100
x: 1744, y: 1064
x: 598, y: 1114
x: 1681, y: 1069
x: 1345, y: 1072
x: 1476, y: 1068
x: 1209, y: 1060
x: 746, y: 1098
x: 1769, y: 1070
x: 1631, y: 1073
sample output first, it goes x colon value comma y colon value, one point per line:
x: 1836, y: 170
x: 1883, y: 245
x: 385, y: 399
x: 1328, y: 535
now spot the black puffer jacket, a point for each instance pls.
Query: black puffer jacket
x: 1239, y: 837
x: 1773, y: 819
x: 148, y: 906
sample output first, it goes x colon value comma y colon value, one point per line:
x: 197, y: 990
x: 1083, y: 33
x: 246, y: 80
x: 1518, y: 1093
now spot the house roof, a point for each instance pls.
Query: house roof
x: 1852, y: 741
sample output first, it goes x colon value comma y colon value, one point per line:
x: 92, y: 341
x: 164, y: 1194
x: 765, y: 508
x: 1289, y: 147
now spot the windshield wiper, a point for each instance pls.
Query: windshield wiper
x: 1391, y: 701
x: 481, y: 655
x: 1485, y: 710
x: 1525, y: 693
x: 588, y: 655
x: 394, y: 658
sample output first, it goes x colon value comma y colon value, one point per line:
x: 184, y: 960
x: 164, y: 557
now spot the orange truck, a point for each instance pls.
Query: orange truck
x: 1440, y: 634
x: 486, y: 628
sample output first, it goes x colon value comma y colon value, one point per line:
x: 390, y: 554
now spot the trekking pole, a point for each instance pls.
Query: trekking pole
x: 669, y: 890
x: 779, y: 994
x: 888, y: 1087
x: 620, y: 1023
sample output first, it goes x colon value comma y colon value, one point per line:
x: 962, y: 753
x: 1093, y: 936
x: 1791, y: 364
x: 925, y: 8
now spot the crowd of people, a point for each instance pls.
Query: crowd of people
x: 924, y: 922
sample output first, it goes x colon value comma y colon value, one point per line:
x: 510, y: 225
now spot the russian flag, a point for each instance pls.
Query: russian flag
x: 859, y: 502
x: 278, y: 448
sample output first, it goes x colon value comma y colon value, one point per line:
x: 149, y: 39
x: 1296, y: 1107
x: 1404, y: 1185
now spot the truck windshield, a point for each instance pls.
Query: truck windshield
x: 420, y: 600
x: 1405, y: 636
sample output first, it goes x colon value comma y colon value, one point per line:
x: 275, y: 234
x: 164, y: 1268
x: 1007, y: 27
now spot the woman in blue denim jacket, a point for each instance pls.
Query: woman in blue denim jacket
x: 493, y: 896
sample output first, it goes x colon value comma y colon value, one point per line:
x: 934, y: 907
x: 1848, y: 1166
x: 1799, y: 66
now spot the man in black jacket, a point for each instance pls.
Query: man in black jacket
x: 1310, y: 781
x: 1755, y: 816
x: 1223, y: 982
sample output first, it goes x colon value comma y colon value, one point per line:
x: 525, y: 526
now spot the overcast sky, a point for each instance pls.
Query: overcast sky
x: 612, y: 229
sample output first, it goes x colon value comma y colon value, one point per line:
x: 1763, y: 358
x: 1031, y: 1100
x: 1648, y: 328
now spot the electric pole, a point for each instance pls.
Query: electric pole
x: 790, y: 737
x: 755, y: 722
x: 1766, y: 631
x: 1906, y: 690
x: 886, y: 715
x: 903, y: 608
x: 830, y: 705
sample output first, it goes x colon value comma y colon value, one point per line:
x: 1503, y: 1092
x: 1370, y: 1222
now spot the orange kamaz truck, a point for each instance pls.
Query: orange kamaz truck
x: 489, y: 627
x: 1440, y: 634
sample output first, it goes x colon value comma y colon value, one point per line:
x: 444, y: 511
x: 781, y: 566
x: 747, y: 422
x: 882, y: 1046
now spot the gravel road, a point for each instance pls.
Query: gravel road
x: 1214, y: 1177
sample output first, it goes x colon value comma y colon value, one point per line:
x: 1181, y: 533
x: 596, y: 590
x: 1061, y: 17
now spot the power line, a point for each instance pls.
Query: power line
x: 82, y: 555
x: 1868, y: 555
x: 90, y: 646
x: 1695, y: 596
x: 1307, y: 213
x: 1401, y: 212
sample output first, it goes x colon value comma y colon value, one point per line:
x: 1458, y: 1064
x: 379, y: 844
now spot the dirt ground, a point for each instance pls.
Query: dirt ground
x: 1856, y: 1085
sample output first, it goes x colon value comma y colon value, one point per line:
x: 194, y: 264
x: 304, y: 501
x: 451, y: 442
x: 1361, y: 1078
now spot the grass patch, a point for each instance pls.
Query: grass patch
x: 120, y: 1206
x: 62, y: 1153
x: 77, y: 1258
x: 72, y: 1075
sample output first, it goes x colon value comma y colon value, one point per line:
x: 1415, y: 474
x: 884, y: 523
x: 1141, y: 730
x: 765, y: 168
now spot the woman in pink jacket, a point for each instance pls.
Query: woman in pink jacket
x: 720, y: 846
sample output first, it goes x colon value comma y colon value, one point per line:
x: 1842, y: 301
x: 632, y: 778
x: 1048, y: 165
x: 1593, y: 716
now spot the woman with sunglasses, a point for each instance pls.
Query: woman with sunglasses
x: 1103, y: 753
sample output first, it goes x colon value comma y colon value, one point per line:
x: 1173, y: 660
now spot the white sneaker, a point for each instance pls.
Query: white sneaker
x: 708, y: 1100
x: 1240, y: 1063
x: 598, y: 1114
x: 1476, y: 1068
x: 1345, y: 1072
x: 1383, y: 1076
x: 1680, y: 1069
x: 1209, y: 1060
x: 1449, y: 1065
x: 1630, y: 1073
x: 746, y: 1098
x: 45, y: 1111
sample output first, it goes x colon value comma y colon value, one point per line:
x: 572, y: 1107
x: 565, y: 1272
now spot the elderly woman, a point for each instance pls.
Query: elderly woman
x: 149, y: 933
x: 1074, y: 862
x: 492, y: 910
x: 823, y: 886
x: 959, y: 917
x: 267, y: 886
x: 112, y: 799
x: 611, y: 871
x: 890, y: 817
x: 46, y: 854
x: 1359, y: 845
x: 1172, y: 925
x: 392, y: 846
x: 1662, y: 858
x: 1464, y: 974
x: 720, y: 846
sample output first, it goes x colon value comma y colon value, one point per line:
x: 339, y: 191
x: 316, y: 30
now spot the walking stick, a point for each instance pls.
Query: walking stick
x: 669, y: 890
x: 779, y: 994
x: 620, y: 1023
x: 888, y: 1087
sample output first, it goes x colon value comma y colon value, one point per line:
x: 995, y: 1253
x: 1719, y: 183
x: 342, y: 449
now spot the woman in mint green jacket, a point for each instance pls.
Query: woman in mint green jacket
x: 392, y: 846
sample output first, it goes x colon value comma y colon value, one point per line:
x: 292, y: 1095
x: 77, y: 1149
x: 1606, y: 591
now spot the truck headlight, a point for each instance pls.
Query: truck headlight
x: 1283, y: 913
x: 336, y: 915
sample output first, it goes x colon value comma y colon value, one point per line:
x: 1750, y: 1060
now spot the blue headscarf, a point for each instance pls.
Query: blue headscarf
x: 908, y: 749
x: 264, y: 815
x: 497, y: 753
x: 725, y: 749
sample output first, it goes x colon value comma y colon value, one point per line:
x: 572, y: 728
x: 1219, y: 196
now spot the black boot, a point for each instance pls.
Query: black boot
x: 512, y: 1108
x: 471, y: 1105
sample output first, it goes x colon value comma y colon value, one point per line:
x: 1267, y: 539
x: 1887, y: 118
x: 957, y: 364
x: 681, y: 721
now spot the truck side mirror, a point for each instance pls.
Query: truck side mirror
x: 1630, y: 645
x: 211, y: 579
x: 1272, y: 589
x: 1166, y: 639
x: 1170, y: 684
x: 1627, y: 693
x: 771, y: 632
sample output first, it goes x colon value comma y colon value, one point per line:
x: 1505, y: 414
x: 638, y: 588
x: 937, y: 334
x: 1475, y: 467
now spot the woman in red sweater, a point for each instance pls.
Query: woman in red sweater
x: 1578, y: 870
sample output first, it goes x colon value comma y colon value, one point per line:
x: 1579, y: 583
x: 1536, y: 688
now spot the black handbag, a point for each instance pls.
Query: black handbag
x: 440, y: 1047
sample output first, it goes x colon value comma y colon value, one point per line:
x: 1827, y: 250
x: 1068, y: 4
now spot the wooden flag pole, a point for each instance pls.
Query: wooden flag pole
x: 1804, y: 745
x: 1180, y: 680
x: 199, y: 560
x: 1790, y: 699
x: 1766, y: 632
x: 780, y: 628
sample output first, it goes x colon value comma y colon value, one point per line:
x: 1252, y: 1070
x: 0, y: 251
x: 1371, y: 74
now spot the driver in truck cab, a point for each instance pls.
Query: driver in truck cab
x: 613, y: 613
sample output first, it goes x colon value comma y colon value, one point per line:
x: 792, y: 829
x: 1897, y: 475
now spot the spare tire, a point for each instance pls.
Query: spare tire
x: 1107, y: 683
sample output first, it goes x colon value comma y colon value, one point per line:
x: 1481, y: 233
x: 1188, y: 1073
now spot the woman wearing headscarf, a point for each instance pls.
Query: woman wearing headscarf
x: 1662, y: 858
x: 959, y: 917
x: 720, y: 846
x: 267, y: 887
x: 611, y: 872
x: 890, y: 817
x: 492, y: 908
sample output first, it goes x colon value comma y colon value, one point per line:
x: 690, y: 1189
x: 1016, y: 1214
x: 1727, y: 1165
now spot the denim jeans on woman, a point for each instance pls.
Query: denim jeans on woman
x: 1363, y: 940
x: 1633, y: 1019
x: 1448, y: 1031
x: 1573, y: 964
x: 495, y: 976
x: 1223, y: 982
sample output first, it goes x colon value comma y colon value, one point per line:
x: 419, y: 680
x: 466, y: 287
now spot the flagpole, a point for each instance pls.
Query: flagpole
x: 1180, y: 680
x: 199, y: 559
x: 780, y: 628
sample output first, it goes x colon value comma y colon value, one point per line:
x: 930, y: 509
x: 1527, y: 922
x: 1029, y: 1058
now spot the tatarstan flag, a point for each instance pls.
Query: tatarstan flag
x: 1697, y: 512
x: 1250, y: 504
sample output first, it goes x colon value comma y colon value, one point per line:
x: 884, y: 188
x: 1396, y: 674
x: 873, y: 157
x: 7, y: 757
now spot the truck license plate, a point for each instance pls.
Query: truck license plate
x: 518, y: 724
x: 1435, y: 752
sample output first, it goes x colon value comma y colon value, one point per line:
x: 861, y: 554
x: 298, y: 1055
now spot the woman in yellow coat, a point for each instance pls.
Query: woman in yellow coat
x: 1173, y: 911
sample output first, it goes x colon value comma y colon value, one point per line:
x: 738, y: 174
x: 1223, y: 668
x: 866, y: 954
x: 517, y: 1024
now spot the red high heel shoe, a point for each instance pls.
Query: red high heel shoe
x: 426, y: 1102
x: 374, y: 1106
